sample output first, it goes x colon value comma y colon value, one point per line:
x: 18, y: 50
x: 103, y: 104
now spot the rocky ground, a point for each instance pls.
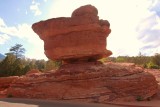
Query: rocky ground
x: 25, y: 86
x: 90, y: 82
x: 156, y: 73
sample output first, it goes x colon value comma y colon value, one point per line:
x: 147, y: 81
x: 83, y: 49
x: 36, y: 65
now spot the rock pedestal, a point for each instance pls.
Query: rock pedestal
x: 88, y: 82
x: 79, y: 37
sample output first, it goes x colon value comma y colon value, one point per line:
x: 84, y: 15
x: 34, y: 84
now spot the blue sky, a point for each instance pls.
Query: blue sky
x: 135, y: 24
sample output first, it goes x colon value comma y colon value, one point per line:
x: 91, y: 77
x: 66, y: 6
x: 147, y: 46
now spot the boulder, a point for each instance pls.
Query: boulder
x: 88, y: 82
x: 79, y: 37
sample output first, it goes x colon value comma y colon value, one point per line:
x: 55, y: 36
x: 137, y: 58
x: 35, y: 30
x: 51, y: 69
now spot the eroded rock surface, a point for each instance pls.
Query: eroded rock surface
x: 88, y: 82
x: 6, y: 81
x: 79, y: 37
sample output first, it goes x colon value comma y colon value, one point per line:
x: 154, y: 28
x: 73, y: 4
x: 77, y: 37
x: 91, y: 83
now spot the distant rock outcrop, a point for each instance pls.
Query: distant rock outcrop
x: 88, y: 82
x: 80, y: 37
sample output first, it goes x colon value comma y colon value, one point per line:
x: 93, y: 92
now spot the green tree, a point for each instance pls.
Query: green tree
x: 156, y: 59
x: 52, y: 65
x: 6, y: 65
x: 151, y: 65
x: 40, y: 64
x: 17, y: 50
x: 121, y: 59
x: 26, y: 69
x: 17, y: 68
x: 13, y: 64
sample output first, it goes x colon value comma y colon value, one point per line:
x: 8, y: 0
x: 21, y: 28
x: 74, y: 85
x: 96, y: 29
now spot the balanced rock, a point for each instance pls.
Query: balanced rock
x: 79, y: 37
x: 88, y: 82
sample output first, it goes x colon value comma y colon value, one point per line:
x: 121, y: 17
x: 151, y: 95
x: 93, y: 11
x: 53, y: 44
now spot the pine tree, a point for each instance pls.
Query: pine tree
x: 17, y: 50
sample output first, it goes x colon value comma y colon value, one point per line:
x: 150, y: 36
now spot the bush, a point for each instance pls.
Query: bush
x: 121, y: 59
x: 145, y: 65
x: 151, y: 65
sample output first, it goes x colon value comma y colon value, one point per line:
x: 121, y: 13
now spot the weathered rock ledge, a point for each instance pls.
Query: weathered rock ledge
x: 87, y: 82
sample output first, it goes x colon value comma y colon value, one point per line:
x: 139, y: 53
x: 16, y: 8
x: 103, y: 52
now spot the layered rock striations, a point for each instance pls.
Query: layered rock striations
x: 6, y: 81
x: 79, y: 37
x: 88, y: 82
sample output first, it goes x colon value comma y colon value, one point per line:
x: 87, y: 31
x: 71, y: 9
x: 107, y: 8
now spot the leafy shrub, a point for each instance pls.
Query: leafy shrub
x: 151, y: 65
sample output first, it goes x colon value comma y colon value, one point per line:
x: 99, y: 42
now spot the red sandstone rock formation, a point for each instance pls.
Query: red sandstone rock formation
x: 80, y: 37
x: 88, y: 82
x: 5, y: 84
x: 6, y: 81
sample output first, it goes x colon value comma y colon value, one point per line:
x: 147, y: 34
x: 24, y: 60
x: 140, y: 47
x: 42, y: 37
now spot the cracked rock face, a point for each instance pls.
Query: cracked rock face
x: 79, y: 37
x: 88, y: 82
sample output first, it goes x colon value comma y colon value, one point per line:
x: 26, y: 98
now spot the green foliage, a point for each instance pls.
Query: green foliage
x: 156, y: 59
x: 52, y: 65
x: 6, y: 65
x: 145, y: 65
x: 11, y: 66
x: 17, y: 68
x: 17, y: 50
x: 152, y: 62
x: 151, y: 65
x: 41, y: 65
x: 121, y: 59
x: 103, y: 60
x: 16, y: 65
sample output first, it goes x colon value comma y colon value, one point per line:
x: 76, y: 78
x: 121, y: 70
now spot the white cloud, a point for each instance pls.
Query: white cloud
x: 20, y: 31
x: 36, y: 51
x: 149, y: 33
x: 35, y: 8
x: 23, y: 31
x: 4, y: 38
x: 26, y: 12
x: 157, y: 25
x: 2, y: 24
x: 155, y: 7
